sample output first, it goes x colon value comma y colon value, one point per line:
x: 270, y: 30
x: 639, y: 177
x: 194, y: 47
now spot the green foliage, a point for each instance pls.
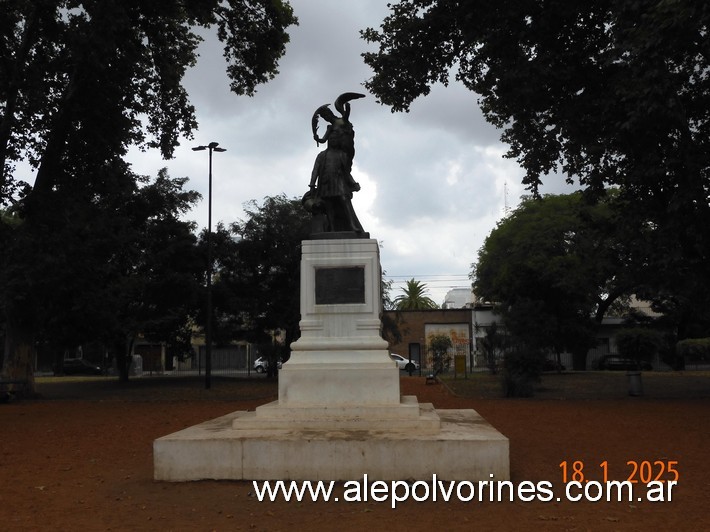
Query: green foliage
x: 439, y: 345
x: 414, y: 297
x: 554, y: 266
x: 601, y: 90
x: 609, y: 94
x: 92, y: 249
x: 694, y: 349
x: 493, y: 345
x: 92, y: 78
x: 257, y: 273
x: 638, y: 343
x: 257, y: 285
x: 120, y: 263
x: 521, y: 370
x: 390, y: 322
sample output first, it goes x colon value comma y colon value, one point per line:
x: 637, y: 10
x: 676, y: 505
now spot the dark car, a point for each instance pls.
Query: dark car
x: 615, y: 362
x: 79, y: 366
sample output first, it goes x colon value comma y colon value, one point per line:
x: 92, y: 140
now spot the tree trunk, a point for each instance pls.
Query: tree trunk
x: 123, y: 354
x: 20, y: 354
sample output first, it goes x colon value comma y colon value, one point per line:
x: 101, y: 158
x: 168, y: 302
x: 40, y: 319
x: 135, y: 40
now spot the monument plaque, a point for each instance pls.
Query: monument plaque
x: 340, y: 286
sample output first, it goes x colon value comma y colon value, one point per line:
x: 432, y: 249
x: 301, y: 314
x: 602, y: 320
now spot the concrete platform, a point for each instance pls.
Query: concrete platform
x: 466, y: 447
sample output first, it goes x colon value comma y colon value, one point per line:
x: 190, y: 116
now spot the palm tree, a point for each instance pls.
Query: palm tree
x: 414, y: 297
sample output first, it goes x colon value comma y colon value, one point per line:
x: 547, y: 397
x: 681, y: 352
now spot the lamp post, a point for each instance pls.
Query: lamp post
x: 212, y: 146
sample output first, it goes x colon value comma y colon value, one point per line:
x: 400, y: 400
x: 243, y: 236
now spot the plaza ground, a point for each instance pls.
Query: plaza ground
x: 80, y: 456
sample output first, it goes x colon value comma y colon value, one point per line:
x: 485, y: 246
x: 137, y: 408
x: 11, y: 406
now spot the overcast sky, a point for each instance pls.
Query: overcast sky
x: 433, y: 180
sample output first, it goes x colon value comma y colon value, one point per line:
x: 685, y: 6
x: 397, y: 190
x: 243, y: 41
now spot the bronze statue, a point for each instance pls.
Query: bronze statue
x: 332, y: 184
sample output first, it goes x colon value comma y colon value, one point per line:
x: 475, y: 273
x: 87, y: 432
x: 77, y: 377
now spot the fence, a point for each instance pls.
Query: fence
x: 233, y: 360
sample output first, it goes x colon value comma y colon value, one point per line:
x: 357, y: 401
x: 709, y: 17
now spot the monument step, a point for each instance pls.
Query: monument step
x: 465, y: 448
x: 408, y: 415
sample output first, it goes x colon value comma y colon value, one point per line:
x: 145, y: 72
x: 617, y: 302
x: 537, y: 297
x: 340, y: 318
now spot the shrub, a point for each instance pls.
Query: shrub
x: 694, y: 349
x: 638, y: 343
x: 439, y: 345
x: 521, y: 370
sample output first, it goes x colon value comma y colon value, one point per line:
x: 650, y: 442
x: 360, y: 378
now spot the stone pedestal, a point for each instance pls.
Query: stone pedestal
x: 339, y: 414
x: 340, y: 358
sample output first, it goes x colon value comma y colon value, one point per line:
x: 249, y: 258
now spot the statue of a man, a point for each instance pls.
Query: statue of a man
x: 332, y: 184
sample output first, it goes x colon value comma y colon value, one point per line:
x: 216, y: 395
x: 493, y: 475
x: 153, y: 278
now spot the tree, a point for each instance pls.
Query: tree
x: 69, y: 63
x: 159, y: 274
x: 522, y: 366
x: 257, y: 289
x: 638, y: 343
x: 80, y: 82
x: 608, y: 93
x: 257, y: 279
x: 493, y: 345
x: 390, y: 322
x: 119, y: 265
x: 414, y: 297
x: 554, y: 267
x: 439, y: 345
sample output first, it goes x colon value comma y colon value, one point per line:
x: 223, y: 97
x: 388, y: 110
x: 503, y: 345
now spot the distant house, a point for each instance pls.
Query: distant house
x: 417, y: 327
x: 458, y: 298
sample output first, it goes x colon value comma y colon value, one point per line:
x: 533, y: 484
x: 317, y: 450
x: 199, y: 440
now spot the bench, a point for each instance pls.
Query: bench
x: 8, y: 388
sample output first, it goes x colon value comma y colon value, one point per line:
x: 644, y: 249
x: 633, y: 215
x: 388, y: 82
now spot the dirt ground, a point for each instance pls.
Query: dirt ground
x: 80, y: 457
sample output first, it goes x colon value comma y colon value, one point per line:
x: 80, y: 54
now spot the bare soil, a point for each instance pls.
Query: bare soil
x: 80, y: 456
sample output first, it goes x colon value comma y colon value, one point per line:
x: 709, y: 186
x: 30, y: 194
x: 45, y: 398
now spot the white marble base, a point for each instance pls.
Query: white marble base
x: 340, y: 358
x: 407, y: 415
x: 353, y: 383
x: 339, y: 414
x: 465, y: 448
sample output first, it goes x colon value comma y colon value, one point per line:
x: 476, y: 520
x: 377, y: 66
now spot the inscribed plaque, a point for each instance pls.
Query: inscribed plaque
x: 340, y: 286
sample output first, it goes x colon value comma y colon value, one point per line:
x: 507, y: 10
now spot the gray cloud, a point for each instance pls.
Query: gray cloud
x: 433, y: 179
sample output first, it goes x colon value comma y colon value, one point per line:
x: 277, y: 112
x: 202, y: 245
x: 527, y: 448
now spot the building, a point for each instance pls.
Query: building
x: 461, y: 325
x: 458, y: 298
x: 467, y: 326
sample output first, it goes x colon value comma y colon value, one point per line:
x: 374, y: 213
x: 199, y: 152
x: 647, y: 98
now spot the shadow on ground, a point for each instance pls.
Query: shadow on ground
x: 590, y: 385
x: 156, y: 389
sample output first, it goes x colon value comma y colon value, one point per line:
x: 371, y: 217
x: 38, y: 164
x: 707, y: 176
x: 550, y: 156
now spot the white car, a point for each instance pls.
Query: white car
x: 404, y: 363
x: 261, y: 365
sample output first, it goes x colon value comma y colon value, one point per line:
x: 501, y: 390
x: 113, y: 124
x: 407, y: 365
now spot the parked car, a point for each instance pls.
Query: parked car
x: 615, y: 362
x: 261, y: 364
x: 79, y: 366
x: 404, y: 363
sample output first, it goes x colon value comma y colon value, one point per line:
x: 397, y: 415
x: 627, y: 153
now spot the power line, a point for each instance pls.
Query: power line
x: 453, y: 276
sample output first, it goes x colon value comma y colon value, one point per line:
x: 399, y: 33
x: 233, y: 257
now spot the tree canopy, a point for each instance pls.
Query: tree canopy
x: 554, y: 267
x: 80, y: 83
x: 258, y: 279
x: 414, y: 297
x: 608, y: 93
x: 257, y: 282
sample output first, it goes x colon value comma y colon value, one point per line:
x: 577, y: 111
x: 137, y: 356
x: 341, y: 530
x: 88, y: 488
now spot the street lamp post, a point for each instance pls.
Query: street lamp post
x: 212, y: 146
